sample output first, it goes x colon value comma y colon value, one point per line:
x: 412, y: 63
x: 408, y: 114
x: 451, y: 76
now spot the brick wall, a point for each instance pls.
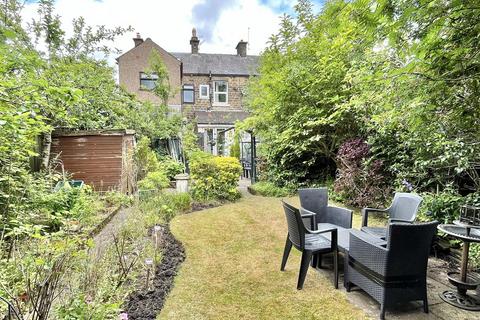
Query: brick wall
x: 235, y: 95
x: 135, y: 61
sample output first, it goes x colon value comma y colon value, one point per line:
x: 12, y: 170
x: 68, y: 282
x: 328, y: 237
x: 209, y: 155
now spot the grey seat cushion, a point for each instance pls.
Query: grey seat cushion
x: 379, y: 232
x: 316, y: 242
x: 342, y: 234
x: 324, y: 226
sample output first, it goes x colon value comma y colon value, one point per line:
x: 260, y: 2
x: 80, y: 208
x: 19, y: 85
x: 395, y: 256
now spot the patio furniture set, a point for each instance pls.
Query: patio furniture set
x: 466, y: 229
x: 388, y: 263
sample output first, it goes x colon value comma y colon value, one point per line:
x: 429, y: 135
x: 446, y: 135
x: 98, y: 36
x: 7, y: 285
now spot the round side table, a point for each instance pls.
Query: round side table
x: 467, y: 234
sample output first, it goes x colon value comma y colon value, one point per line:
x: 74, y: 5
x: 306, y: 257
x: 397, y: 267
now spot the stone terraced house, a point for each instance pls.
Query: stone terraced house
x: 207, y: 87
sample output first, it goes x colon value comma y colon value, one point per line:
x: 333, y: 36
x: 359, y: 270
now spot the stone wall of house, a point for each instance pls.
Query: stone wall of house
x: 236, y: 90
x: 136, y: 60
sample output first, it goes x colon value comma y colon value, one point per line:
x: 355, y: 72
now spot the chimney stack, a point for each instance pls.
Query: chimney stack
x: 242, y: 48
x: 194, y: 41
x: 138, y: 40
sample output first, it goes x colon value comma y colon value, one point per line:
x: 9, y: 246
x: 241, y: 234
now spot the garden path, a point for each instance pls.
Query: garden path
x: 105, y: 236
x: 243, y: 185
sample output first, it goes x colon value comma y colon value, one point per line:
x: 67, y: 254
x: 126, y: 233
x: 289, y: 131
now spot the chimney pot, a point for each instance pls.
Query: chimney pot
x: 242, y: 48
x: 138, y: 40
x: 194, y: 42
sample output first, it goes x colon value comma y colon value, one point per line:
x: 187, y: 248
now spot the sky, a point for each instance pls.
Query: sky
x: 220, y: 24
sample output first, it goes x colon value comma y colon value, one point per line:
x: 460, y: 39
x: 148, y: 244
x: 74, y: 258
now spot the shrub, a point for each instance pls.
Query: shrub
x: 115, y: 198
x: 167, y: 205
x: 53, y: 209
x: 359, y: 182
x: 156, y: 180
x: 145, y: 158
x: 445, y: 206
x: 171, y: 167
x: 268, y: 189
x: 214, y: 177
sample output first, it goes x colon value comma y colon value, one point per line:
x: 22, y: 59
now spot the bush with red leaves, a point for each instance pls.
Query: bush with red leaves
x: 360, y: 182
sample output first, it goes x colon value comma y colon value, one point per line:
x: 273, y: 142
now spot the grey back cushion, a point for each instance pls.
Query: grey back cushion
x: 405, y: 206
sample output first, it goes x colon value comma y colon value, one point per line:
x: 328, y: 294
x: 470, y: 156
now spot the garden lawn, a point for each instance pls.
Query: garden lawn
x: 232, y: 270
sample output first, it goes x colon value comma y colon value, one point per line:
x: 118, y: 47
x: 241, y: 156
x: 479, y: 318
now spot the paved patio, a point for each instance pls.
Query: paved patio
x: 437, y: 282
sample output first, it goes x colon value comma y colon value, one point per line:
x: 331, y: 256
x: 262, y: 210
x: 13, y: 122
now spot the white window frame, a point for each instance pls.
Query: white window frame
x: 217, y: 93
x: 200, y: 87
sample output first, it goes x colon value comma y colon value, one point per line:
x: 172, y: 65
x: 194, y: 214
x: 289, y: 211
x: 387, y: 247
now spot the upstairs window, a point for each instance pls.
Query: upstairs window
x: 204, y: 91
x: 220, y: 92
x: 148, y: 81
x: 188, y: 94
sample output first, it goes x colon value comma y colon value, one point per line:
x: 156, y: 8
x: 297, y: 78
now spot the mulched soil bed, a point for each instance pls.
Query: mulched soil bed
x: 148, y: 304
x: 198, y: 206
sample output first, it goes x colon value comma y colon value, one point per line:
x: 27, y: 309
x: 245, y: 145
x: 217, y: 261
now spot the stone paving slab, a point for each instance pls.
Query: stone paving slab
x: 243, y: 184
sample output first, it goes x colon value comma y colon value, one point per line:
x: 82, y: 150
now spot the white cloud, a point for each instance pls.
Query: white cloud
x: 169, y: 23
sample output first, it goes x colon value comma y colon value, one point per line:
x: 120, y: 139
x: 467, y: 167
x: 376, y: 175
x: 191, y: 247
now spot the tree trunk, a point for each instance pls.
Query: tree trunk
x: 46, y: 146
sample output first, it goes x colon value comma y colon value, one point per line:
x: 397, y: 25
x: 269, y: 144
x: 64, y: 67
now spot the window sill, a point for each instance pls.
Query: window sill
x: 220, y: 105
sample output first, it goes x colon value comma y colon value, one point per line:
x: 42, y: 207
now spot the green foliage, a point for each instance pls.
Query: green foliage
x: 43, y: 210
x: 474, y: 256
x: 55, y: 209
x: 162, y: 84
x: 115, y: 199
x: 189, y: 140
x: 85, y: 41
x: 401, y: 74
x: 214, y: 178
x: 235, y: 148
x: 43, y: 232
x: 298, y: 102
x: 171, y: 167
x: 167, y: 205
x: 268, y: 189
x: 155, y: 180
x: 81, y: 307
x: 445, y: 206
x: 67, y: 86
x: 154, y: 173
x: 39, y: 259
x: 145, y: 158
x: 97, y: 283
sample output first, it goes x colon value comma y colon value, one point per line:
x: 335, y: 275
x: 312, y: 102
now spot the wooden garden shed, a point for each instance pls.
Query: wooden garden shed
x: 103, y: 159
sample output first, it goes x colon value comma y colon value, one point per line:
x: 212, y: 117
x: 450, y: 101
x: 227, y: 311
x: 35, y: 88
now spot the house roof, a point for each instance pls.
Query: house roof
x: 147, y: 41
x: 218, y: 64
x: 220, y: 117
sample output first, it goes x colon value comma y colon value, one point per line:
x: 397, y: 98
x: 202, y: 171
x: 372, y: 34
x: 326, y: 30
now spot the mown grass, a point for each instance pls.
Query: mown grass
x: 232, y: 268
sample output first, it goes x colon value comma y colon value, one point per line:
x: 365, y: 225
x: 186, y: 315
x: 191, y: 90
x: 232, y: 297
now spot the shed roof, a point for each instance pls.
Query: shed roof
x: 64, y: 132
x: 218, y: 64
